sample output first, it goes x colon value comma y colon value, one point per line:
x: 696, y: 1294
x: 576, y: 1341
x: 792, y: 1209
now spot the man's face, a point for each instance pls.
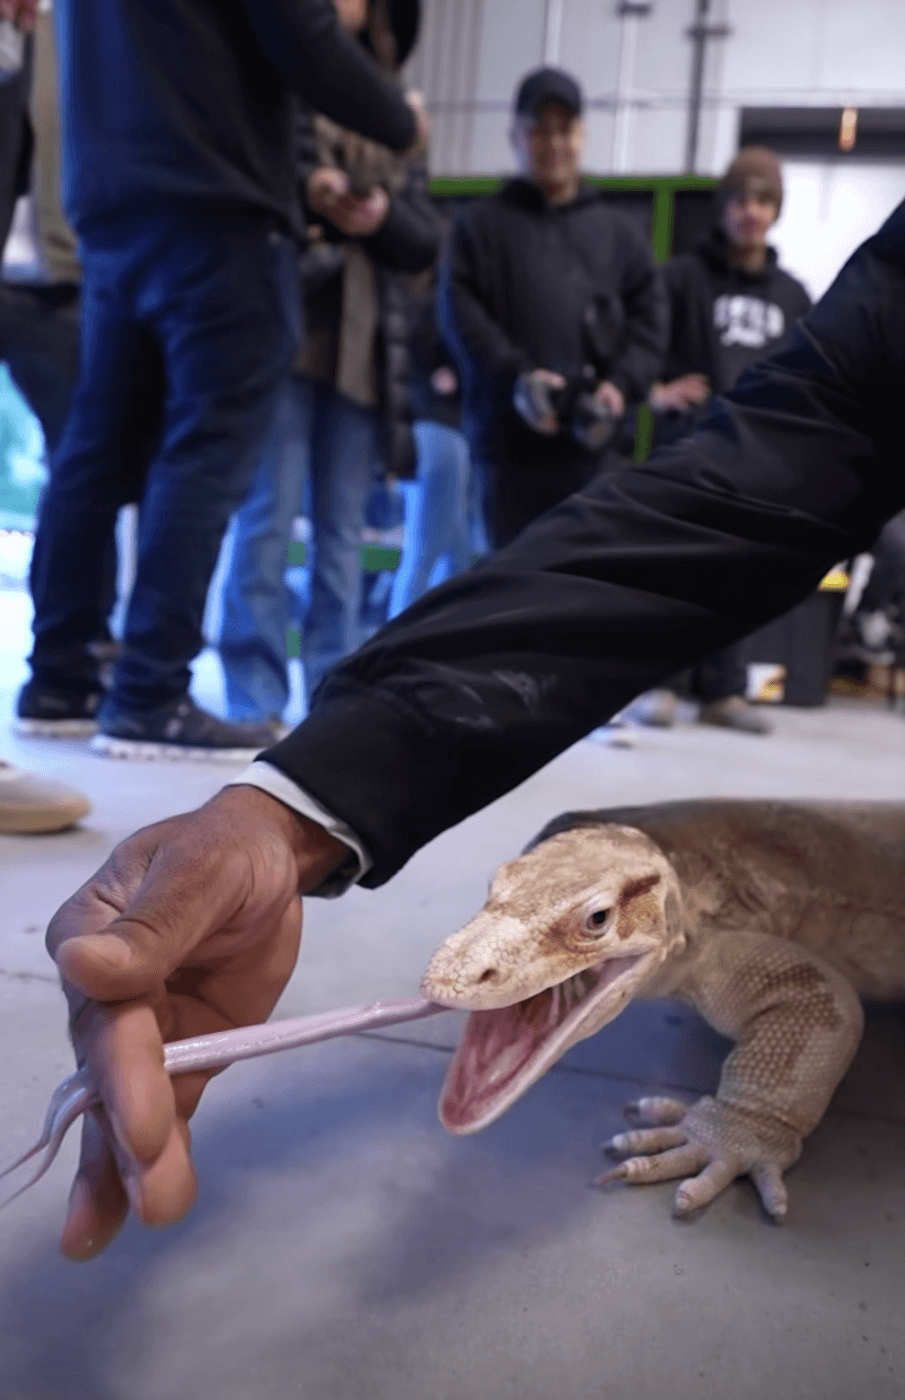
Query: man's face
x: 352, y: 14
x: 549, y: 146
x: 748, y: 217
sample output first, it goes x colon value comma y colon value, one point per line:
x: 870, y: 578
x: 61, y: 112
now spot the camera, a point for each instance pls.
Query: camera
x: 575, y: 407
x: 579, y: 412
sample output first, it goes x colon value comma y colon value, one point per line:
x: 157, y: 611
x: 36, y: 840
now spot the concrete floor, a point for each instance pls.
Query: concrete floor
x: 345, y: 1248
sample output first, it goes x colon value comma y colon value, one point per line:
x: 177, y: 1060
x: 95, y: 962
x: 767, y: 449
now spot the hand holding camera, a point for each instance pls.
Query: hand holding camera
x: 533, y: 399
x: 581, y: 406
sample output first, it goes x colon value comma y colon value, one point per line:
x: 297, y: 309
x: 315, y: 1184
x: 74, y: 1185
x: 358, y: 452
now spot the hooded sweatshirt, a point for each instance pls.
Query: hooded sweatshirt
x: 528, y: 285
x: 725, y: 318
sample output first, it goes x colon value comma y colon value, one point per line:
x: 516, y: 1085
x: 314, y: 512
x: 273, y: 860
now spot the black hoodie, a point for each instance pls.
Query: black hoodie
x: 521, y: 278
x: 724, y: 319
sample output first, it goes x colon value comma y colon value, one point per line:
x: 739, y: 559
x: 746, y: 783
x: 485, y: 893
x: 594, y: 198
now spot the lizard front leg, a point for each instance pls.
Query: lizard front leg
x: 797, y: 1023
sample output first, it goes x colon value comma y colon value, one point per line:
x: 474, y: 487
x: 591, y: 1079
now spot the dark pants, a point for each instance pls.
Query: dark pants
x: 188, y: 330
x: 514, y: 494
x: 39, y: 343
x: 720, y: 675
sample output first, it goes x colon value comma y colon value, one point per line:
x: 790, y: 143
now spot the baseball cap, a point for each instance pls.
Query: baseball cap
x: 547, y: 85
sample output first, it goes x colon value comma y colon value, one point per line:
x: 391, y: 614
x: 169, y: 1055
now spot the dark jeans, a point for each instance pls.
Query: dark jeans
x: 189, y: 325
x: 39, y: 343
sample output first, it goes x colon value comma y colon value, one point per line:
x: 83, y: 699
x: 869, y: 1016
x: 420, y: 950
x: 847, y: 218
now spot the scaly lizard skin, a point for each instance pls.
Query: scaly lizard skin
x: 772, y: 919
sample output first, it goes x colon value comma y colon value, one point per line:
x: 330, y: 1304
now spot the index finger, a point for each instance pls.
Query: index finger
x: 122, y: 1047
x: 147, y: 1116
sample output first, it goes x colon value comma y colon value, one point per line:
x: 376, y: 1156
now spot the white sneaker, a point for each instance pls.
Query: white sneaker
x: 30, y: 804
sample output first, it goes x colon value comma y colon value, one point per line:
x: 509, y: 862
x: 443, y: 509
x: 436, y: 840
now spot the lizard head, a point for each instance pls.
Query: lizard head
x: 570, y: 933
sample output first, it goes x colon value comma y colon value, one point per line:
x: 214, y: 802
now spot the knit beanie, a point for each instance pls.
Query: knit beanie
x: 754, y: 168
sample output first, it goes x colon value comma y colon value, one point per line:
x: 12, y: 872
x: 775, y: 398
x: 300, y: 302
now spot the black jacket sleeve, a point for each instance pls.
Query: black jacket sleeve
x: 645, y: 571
x: 477, y: 342
x: 410, y: 239
x: 306, y: 45
x: 644, y: 300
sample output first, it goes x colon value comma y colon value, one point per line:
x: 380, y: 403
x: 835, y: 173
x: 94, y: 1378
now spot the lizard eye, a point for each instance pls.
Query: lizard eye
x: 597, y: 920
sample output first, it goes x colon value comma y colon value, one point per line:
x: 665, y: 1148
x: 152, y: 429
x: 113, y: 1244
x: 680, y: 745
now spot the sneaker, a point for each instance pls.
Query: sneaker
x: 29, y: 804
x: 619, y: 732
x: 180, y: 730
x: 657, y: 709
x: 734, y: 712
x: 52, y: 714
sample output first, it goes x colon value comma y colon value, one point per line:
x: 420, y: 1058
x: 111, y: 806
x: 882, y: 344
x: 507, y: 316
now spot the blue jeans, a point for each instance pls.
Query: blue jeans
x: 189, y: 324
x: 325, y: 442
x: 437, y: 543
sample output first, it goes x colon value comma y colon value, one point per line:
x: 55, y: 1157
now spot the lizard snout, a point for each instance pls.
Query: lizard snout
x: 470, y: 969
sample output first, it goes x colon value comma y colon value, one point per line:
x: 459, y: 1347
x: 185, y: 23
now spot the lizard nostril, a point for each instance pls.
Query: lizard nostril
x: 490, y: 975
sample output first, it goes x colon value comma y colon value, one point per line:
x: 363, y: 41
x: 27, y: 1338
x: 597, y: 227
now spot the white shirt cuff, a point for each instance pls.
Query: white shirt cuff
x: 275, y: 782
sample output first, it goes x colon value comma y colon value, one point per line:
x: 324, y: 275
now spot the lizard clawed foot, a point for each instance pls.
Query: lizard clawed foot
x: 709, y: 1144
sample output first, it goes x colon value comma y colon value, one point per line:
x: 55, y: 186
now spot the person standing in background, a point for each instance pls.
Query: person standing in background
x: 731, y: 304
x: 39, y: 314
x: 346, y: 405
x: 179, y: 180
x: 545, y: 290
x: 38, y: 329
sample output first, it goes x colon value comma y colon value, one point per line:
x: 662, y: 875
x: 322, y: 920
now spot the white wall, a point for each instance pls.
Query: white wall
x: 796, y: 53
x: 830, y: 207
x: 779, y: 52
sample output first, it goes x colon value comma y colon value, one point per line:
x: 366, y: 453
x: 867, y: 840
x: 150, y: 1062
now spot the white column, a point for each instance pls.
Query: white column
x: 631, y: 12
x: 553, y: 31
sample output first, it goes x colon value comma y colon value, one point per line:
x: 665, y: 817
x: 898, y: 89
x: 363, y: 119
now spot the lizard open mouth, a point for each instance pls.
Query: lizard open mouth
x: 504, y: 1051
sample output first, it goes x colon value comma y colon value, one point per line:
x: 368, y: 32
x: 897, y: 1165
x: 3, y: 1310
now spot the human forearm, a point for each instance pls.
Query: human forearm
x: 471, y: 691
x: 315, y: 58
x: 637, y: 577
x: 409, y: 238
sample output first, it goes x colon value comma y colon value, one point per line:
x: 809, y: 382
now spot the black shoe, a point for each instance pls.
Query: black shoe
x: 180, y: 730
x: 734, y: 712
x: 53, y: 714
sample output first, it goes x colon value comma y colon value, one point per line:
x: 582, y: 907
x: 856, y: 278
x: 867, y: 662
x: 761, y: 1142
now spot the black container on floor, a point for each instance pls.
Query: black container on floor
x: 804, y: 642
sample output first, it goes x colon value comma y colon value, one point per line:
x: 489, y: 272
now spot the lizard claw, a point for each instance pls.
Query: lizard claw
x: 656, y: 1111
x: 710, y: 1145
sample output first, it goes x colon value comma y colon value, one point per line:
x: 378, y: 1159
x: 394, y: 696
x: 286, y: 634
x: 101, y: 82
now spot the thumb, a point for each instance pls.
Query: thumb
x: 128, y: 960
x: 114, y: 948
